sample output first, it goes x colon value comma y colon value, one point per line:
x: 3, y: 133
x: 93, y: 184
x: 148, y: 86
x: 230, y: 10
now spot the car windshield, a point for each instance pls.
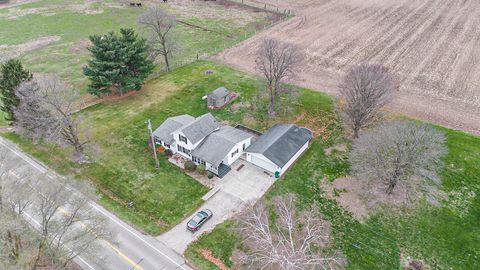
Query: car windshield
x: 192, y: 223
x: 202, y: 213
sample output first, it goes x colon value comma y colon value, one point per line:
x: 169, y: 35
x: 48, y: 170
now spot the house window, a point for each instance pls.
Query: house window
x: 244, y: 146
x: 183, y: 150
x: 166, y: 145
x: 235, y: 152
x: 198, y: 161
x: 182, y: 139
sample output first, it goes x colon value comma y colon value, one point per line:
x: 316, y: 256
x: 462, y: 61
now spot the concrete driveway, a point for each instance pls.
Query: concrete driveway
x: 235, y: 191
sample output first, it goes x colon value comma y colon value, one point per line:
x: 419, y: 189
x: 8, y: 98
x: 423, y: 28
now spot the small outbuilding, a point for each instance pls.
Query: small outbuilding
x: 219, y: 98
x: 278, y: 148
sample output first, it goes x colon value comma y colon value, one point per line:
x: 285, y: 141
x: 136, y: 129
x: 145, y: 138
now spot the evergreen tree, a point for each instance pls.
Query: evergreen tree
x: 12, y: 74
x: 118, y: 64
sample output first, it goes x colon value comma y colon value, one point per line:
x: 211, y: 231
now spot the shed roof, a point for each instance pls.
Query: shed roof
x: 219, y: 93
x: 281, y: 142
x: 200, y: 128
x: 218, y: 144
x: 164, y: 131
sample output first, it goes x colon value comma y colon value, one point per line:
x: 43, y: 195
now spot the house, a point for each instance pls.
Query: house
x: 278, y: 148
x: 163, y: 135
x: 189, y: 136
x: 203, y: 141
x: 218, y: 98
x: 221, y: 148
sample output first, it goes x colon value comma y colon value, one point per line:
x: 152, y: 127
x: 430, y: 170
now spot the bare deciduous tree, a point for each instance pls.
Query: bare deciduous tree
x: 14, y: 254
x: 69, y: 227
x: 162, y: 39
x: 366, y: 89
x: 46, y: 111
x: 297, y: 240
x: 16, y: 251
x: 399, y: 153
x: 277, y: 61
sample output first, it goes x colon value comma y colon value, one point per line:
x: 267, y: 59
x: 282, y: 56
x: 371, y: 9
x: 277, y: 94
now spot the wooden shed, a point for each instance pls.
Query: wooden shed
x: 218, y: 98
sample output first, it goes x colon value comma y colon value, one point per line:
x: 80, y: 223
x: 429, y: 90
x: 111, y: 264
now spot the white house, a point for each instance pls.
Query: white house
x: 278, y: 148
x: 203, y: 141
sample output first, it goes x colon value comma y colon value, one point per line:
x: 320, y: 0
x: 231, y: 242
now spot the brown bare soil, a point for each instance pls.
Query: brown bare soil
x: 208, y: 255
x: 359, y: 198
x: 433, y: 47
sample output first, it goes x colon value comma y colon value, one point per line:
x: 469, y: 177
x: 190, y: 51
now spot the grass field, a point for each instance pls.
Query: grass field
x: 446, y: 237
x: 124, y: 171
x: 52, y: 36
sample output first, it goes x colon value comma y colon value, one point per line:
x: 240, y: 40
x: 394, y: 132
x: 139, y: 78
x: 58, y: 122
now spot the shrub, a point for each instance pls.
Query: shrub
x: 190, y: 166
x: 210, y: 175
x: 168, y: 153
x: 201, y: 169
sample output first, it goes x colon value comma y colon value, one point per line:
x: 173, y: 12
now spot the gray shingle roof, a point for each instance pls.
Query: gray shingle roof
x: 200, y: 128
x: 164, y: 131
x: 281, y: 142
x: 218, y: 144
x: 219, y: 93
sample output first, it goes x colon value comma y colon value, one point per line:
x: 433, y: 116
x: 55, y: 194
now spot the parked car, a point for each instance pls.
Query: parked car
x: 198, y: 220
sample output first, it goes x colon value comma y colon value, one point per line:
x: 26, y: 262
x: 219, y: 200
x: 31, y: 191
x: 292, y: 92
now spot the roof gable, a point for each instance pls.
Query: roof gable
x: 219, y: 93
x: 281, y: 142
x: 200, y: 128
x: 218, y: 144
x: 165, y: 130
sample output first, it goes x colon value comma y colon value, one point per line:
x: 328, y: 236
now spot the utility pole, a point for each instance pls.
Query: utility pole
x: 149, y: 126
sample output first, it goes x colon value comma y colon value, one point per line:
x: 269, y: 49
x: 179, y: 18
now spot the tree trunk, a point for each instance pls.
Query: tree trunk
x: 271, y: 107
x: 167, y: 63
x: 356, y: 130
x: 39, y: 255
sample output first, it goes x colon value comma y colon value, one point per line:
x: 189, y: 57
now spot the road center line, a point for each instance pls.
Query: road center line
x: 42, y: 170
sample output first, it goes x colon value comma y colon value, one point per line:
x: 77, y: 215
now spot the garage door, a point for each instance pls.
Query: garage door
x: 268, y: 166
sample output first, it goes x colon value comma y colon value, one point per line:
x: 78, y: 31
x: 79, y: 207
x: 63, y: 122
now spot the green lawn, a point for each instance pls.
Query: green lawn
x: 75, y: 20
x: 124, y: 170
x: 446, y: 237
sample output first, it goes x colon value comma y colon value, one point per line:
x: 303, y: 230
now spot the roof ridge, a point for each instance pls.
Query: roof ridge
x: 196, y: 120
x: 272, y: 142
x: 281, y: 136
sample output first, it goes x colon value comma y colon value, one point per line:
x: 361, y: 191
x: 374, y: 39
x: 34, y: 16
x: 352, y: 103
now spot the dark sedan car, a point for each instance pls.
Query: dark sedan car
x: 198, y: 220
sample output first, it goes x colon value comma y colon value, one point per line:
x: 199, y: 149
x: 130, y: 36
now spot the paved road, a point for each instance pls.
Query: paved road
x: 131, y: 250
x: 233, y: 193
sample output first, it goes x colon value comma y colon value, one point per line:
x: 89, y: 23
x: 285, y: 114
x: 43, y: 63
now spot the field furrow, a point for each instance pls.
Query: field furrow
x: 433, y: 46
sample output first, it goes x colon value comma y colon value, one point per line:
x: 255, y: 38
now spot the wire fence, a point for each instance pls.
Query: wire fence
x: 227, y: 44
x: 263, y: 6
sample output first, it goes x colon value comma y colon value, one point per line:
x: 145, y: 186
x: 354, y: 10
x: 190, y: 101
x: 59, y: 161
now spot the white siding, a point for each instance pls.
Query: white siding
x: 229, y: 160
x: 262, y: 162
x: 294, y: 158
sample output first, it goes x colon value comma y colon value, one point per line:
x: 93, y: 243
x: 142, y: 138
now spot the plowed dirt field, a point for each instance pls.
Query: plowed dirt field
x: 433, y: 47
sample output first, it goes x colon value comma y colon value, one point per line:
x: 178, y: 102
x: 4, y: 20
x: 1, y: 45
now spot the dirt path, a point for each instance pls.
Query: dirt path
x: 432, y: 46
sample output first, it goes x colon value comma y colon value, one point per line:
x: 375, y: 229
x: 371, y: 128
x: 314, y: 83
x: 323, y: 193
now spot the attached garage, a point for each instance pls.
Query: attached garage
x: 278, y: 148
x: 262, y: 162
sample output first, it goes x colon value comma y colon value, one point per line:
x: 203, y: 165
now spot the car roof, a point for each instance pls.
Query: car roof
x: 197, y: 218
